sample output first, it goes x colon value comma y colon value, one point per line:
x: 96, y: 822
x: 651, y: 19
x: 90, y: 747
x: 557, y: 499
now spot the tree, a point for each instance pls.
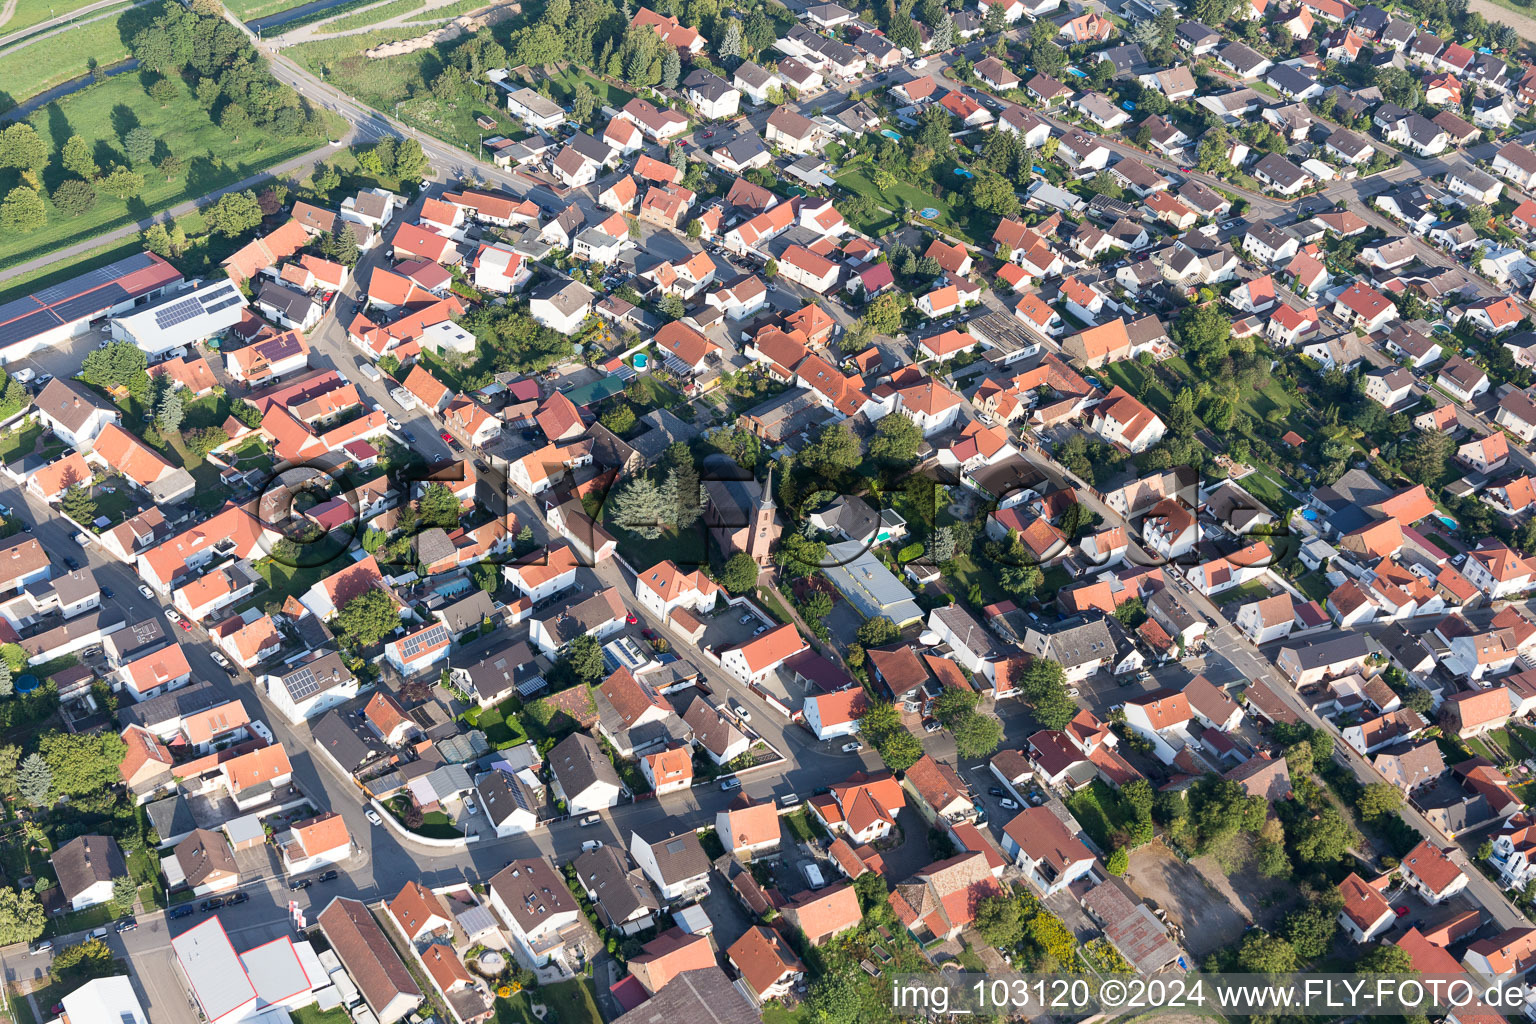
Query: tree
x: 584, y: 657
x: 233, y: 119
x: 739, y: 574
x: 368, y: 618
x: 672, y: 307
x: 992, y: 193
x: 900, y: 750
x: 896, y: 440
x: 730, y: 43
x: 164, y: 92
x: 1310, y: 930
x: 1054, y: 938
x: 641, y: 507
x: 620, y: 419
x: 121, y: 183
x: 23, y: 210
x: 74, y: 197
x: 1203, y: 331
x: 1321, y: 839
x: 75, y: 158
x: 77, y: 964
x: 78, y: 504
x: 326, y: 180
x: 124, y: 894
x: 943, y: 33
x: 1419, y: 699
x: 977, y: 735
x: 22, y: 148
x: 877, y: 631
x: 83, y: 763
x: 884, y: 312
x: 1384, y: 959
x: 1425, y: 457
x: 9, y: 755
x: 1119, y: 862
x: 340, y: 245
x: 671, y: 68
x: 835, y: 450
x: 140, y: 145
x: 952, y: 705
x: 170, y: 165
x: 35, y: 780
x: 171, y: 412
x: 21, y: 916
x: 234, y: 214
x: 834, y: 997
x: 1378, y: 799
x: 997, y: 920
x: 411, y: 163
x: 1262, y: 953
x: 439, y: 507
x: 1055, y: 709
x: 120, y: 364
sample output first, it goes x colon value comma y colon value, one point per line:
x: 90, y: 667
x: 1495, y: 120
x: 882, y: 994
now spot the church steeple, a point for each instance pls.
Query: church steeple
x: 767, y: 499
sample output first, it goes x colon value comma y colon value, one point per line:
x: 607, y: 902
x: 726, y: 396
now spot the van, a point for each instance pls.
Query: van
x: 813, y: 876
x: 793, y: 799
x: 371, y: 372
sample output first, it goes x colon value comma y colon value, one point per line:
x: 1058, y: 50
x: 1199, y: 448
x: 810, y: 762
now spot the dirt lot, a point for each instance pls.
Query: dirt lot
x: 1209, y: 921
x: 1262, y: 900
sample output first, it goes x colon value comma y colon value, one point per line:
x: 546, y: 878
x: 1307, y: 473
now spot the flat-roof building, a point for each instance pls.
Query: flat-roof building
x: 67, y: 309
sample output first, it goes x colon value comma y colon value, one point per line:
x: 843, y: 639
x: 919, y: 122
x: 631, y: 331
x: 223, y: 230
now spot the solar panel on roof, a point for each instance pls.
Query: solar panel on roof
x: 91, y: 303
x: 412, y: 645
x: 177, y: 312
x: 224, y: 304
x: 302, y: 684
x: 26, y: 327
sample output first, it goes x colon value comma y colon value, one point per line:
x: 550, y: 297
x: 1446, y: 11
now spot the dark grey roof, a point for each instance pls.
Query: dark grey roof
x: 678, y: 857
x: 468, y: 612
x: 754, y: 75
x: 1332, y: 650
x: 1290, y: 80
x: 1123, y: 57
x: 1194, y: 32
x: 1241, y: 56
x: 707, y: 84
x: 1280, y: 170
x: 702, y: 995
x: 579, y: 764
x: 621, y: 891
x: 171, y: 817
x: 167, y: 707
x: 86, y: 860
x: 294, y: 305
x: 566, y: 296
x: 351, y: 746
x: 497, y: 667
x: 316, y: 675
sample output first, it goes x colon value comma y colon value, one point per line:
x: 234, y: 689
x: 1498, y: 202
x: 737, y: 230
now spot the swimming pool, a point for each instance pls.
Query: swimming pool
x: 1447, y: 522
x: 963, y: 173
x: 1074, y: 72
x: 890, y: 134
x: 928, y: 212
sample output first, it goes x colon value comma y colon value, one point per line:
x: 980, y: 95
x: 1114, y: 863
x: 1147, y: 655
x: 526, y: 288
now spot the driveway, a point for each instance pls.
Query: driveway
x: 1209, y: 921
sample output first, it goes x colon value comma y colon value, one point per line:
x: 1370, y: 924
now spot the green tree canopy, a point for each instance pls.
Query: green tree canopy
x: 368, y: 618
x: 83, y: 763
x: 584, y: 656
x: 21, y: 916
x: 739, y: 574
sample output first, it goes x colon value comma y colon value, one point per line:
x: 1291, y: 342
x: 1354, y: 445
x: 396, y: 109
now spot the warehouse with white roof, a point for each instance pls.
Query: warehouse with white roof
x: 171, y: 326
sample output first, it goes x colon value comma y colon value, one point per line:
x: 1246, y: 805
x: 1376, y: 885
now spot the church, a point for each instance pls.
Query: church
x: 741, y: 516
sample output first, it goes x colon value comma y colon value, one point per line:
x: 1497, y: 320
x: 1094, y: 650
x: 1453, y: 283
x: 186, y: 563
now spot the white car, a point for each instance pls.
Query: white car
x: 24, y: 375
x: 741, y: 712
x: 852, y: 748
x: 1072, y: 692
x: 394, y: 424
x: 402, y: 397
x: 591, y: 844
x: 373, y: 816
x: 219, y: 660
x: 146, y: 592
x: 469, y: 806
x: 173, y: 615
x: 1008, y: 805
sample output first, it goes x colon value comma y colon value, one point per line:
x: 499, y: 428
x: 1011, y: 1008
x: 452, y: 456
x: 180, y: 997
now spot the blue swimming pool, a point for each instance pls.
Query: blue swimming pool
x: 1075, y: 73
x: 963, y: 173
x: 928, y: 212
x: 1447, y: 522
x: 1309, y: 514
x: 890, y: 134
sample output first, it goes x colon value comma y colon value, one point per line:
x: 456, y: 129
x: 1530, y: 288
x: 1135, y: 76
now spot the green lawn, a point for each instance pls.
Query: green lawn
x: 1100, y: 811
x: 246, y: 10
x: 20, y: 443
x: 373, y: 15
x: 858, y: 180
x: 607, y: 95
x: 500, y: 724
x: 1244, y: 594
x: 774, y: 606
x: 968, y: 572
x: 27, y: 70
x: 292, y: 580
x: 34, y: 12
x: 571, y: 1002
x: 315, y: 1015
x: 99, y: 114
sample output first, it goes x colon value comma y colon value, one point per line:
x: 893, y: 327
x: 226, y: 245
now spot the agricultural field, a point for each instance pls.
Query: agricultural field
x: 102, y: 115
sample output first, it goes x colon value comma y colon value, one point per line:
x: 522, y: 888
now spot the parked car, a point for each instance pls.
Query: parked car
x: 591, y: 819
x: 852, y: 748
x: 211, y: 904
x: 302, y: 883
x: 591, y: 844
x: 106, y: 593
x: 741, y: 711
x: 997, y: 791
x: 237, y: 899
x: 185, y: 910
x: 41, y: 946
x: 930, y: 725
x: 173, y: 615
x: 24, y: 375
x: 328, y: 876
x: 789, y: 800
x: 219, y: 660
x: 127, y: 924
x: 146, y: 592
x: 1008, y: 805
x: 373, y: 816
x: 726, y: 785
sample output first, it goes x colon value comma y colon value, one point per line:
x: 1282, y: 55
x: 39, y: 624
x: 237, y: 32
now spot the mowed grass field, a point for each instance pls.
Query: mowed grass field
x: 33, y: 12
x: 29, y: 69
x: 105, y: 112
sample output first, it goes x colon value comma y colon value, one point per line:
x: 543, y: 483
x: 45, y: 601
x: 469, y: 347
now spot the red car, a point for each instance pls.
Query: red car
x: 447, y: 437
x: 631, y: 619
x: 1400, y: 911
x: 186, y: 625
